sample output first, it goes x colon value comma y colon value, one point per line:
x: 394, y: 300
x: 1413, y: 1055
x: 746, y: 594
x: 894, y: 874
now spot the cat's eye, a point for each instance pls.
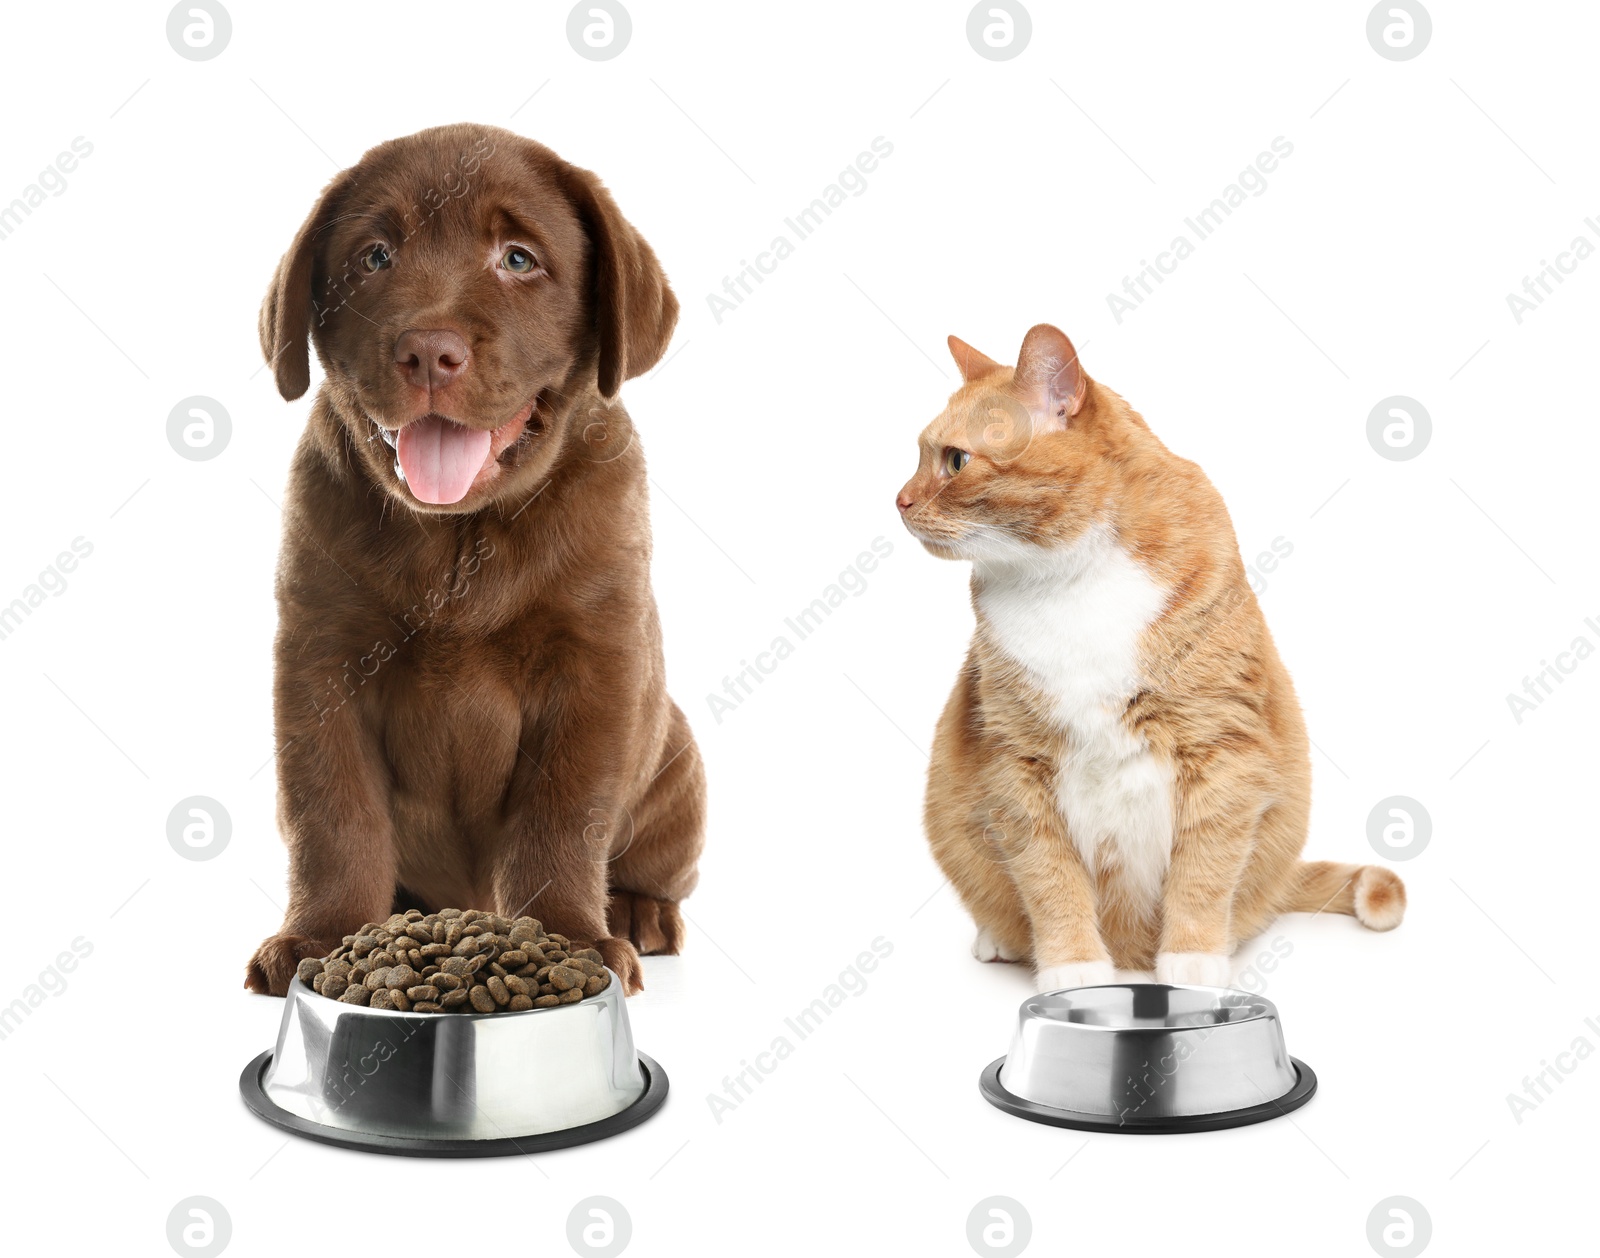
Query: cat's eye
x: 518, y: 259
x: 955, y: 460
x: 375, y: 258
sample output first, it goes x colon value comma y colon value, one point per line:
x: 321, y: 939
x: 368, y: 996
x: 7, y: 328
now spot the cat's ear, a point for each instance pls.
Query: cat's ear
x: 1049, y: 372
x: 973, y: 365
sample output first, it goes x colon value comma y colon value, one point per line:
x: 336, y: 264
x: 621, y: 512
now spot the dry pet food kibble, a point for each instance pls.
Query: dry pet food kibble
x: 456, y: 962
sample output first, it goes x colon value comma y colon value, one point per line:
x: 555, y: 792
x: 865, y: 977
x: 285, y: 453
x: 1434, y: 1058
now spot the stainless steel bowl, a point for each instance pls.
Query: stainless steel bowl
x: 454, y: 1085
x: 1148, y: 1057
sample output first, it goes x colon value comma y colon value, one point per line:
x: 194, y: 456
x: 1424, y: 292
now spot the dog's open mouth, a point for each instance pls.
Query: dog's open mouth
x: 441, y: 461
x: 440, y: 458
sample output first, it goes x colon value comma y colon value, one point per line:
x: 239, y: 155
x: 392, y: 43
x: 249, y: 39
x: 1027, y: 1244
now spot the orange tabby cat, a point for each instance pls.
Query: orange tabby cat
x: 1121, y: 776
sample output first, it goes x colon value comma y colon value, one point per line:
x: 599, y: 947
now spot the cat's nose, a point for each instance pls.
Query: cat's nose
x: 905, y: 501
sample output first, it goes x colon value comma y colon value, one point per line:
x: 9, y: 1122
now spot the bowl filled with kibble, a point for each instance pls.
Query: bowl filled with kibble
x: 454, y: 1034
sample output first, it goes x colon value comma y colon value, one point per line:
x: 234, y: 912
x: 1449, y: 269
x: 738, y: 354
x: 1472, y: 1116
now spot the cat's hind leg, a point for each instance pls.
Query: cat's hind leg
x: 987, y: 946
x: 969, y: 833
x: 966, y: 844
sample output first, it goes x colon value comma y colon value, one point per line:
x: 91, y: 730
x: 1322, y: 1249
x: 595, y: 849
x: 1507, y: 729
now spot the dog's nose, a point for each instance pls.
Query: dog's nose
x: 430, y: 358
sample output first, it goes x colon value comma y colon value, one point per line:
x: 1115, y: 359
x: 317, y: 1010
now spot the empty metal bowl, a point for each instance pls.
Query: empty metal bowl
x: 454, y: 1085
x: 1148, y: 1057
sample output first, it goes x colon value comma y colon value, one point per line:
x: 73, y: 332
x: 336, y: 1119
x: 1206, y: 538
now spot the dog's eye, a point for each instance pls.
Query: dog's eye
x: 375, y: 258
x: 518, y: 259
x: 955, y: 460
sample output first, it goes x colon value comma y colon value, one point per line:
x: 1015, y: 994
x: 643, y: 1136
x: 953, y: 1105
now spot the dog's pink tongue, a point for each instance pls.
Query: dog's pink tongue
x: 440, y: 458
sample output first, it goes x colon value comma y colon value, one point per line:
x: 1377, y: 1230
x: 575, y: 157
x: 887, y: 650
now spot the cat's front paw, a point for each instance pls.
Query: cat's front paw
x: 1200, y: 969
x: 1054, y: 978
x: 987, y: 948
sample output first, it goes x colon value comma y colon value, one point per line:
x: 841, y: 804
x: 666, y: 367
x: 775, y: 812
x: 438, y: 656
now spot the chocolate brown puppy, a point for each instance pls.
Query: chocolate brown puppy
x: 469, y: 700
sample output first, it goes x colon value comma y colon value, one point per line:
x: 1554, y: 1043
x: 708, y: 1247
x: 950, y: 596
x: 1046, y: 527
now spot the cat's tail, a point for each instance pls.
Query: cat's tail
x: 1371, y: 894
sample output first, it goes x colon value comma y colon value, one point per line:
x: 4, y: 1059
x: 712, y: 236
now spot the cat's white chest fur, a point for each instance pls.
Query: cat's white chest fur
x: 1073, y: 620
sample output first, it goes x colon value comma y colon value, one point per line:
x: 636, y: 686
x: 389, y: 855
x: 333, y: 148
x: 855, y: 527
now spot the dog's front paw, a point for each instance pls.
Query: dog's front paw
x: 1053, y: 978
x: 1201, y: 969
x: 653, y: 926
x: 622, y: 959
x: 987, y: 948
x: 272, y: 968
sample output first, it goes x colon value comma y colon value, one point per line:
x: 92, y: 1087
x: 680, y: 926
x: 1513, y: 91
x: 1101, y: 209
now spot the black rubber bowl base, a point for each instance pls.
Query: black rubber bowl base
x: 255, y: 1097
x: 995, y: 1093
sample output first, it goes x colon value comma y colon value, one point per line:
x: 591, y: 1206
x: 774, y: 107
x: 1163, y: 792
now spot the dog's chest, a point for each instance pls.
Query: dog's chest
x: 452, y: 724
x: 1075, y: 628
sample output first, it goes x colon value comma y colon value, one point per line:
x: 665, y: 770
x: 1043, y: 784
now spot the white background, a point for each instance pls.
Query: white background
x: 1418, y: 594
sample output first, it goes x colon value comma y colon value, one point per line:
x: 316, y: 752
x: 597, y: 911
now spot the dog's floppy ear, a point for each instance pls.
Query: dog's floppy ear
x: 286, y: 309
x: 634, y: 307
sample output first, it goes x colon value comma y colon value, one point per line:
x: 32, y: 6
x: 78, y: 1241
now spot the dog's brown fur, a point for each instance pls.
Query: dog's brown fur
x: 470, y: 702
